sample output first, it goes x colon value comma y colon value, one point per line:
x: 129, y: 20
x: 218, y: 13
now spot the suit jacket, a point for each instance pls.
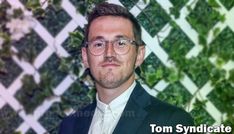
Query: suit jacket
x: 141, y: 110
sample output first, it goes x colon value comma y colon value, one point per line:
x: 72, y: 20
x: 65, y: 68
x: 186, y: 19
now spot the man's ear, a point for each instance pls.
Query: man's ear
x: 85, y: 57
x: 140, y: 55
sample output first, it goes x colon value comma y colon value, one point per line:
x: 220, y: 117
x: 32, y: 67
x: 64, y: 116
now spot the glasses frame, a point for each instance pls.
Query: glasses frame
x: 106, y: 42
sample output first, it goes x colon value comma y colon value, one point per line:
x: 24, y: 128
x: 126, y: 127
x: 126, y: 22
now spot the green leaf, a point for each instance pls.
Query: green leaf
x: 231, y: 76
x: 82, y: 7
x: 145, y: 1
x: 202, y: 40
x: 33, y: 4
x: 200, y: 104
x: 216, y: 31
x: 159, y: 73
x: 175, y: 11
x: 220, y: 62
x: 222, y: 18
x: 173, y: 24
x: 46, y: 81
x: 28, y: 82
x: 28, y: 54
x: 65, y: 64
x: 189, y: 8
x: 76, y: 39
x: 173, y: 78
x: 217, y: 75
x: 56, y: 4
x: 17, y: 13
x: 3, y: 69
x: 39, y: 13
x: 213, y: 3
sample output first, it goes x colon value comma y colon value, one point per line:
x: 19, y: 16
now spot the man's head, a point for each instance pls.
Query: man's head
x: 113, y: 46
x: 108, y: 9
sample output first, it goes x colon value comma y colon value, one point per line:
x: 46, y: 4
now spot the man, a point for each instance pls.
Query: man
x: 112, y: 50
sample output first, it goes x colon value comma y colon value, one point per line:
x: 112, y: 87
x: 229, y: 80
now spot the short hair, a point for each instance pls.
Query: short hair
x: 108, y: 9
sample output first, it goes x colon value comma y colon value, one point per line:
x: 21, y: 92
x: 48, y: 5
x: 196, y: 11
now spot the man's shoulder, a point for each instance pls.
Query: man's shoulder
x: 86, y: 111
x: 79, y: 117
x: 165, y: 111
x: 153, y: 104
x: 159, y: 105
x: 80, y: 114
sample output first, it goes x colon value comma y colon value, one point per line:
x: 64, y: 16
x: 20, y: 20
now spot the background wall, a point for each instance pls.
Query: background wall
x: 188, y: 62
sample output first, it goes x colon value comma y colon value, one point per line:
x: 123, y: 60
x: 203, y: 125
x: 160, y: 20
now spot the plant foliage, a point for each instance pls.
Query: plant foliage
x: 153, y: 18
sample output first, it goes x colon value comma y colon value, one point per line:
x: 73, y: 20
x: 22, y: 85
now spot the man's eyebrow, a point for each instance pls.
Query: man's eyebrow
x: 97, y: 38
x: 101, y: 37
x: 121, y: 36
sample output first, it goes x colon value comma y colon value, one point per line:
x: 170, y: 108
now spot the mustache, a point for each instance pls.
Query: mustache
x: 111, y: 59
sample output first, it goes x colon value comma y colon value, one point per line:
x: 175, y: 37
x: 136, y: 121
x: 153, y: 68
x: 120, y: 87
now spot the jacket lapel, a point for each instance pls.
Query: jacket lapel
x: 85, y: 119
x: 134, y: 113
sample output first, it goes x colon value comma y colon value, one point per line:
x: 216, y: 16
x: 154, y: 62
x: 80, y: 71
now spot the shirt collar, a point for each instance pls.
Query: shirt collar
x: 118, y: 102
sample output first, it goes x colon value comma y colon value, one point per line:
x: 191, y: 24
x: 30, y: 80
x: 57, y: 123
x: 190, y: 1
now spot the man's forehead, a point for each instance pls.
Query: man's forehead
x: 110, y: 26
x: 113, y: 38
x: 111, y: 20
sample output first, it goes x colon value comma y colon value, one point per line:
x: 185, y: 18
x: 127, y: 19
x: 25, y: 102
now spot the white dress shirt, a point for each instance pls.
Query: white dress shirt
x: 106, y: 116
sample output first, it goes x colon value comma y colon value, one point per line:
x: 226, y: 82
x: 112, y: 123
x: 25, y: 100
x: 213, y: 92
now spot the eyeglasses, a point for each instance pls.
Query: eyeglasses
x: 121, y: 45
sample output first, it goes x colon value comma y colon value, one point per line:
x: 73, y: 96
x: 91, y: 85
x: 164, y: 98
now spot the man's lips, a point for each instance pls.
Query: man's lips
x: 110, y: 65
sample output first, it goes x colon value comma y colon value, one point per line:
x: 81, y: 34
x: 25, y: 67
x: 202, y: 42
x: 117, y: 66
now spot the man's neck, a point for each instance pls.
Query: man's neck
x: 107, y: 95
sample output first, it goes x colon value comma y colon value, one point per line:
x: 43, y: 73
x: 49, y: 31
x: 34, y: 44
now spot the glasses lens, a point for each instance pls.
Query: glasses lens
x: 121, y: 46
x: 97, y: 47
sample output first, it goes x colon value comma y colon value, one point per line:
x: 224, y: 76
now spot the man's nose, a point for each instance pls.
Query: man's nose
x: 109, y: 50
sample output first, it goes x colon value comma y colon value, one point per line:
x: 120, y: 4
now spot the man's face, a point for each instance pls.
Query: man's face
x: 111, y: 70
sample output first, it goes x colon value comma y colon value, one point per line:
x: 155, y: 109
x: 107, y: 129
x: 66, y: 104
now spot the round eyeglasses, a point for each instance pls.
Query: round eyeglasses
x: 121, y: 46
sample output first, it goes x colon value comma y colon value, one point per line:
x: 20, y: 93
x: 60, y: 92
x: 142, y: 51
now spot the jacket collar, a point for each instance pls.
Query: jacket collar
x: 132, y: 116
x: 134, y: 113
x: 84, y: 120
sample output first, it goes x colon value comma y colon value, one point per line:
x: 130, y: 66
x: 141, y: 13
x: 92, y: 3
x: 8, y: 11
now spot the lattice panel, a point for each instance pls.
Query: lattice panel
x: 52, y: 43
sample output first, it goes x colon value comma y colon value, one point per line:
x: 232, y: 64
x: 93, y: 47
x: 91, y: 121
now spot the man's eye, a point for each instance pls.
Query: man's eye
x: 122, y: 43
x: 98, y: 44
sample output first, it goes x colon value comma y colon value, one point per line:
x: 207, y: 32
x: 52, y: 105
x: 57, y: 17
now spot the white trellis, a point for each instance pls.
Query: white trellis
x: 31, y: 121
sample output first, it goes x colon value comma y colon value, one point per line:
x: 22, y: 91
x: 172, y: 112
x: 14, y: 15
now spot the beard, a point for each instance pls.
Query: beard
x: 110, y: 80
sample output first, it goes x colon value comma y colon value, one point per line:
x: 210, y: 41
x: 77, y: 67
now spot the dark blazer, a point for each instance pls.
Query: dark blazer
x: 141, y: 110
